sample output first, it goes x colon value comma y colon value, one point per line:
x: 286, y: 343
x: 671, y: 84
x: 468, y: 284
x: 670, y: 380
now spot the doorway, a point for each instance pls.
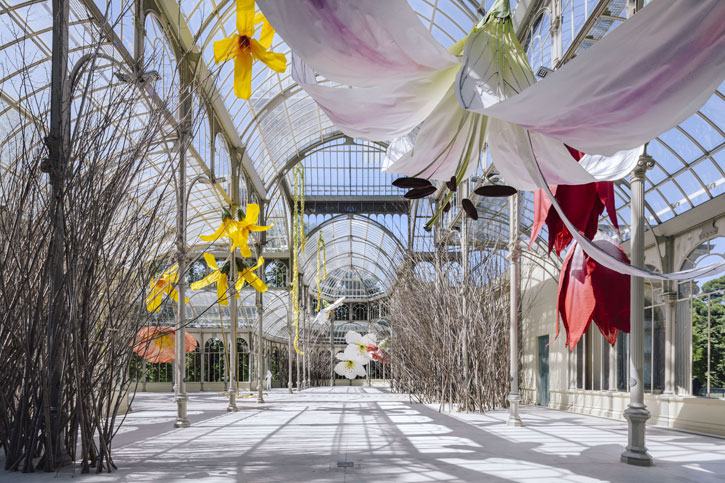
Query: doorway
x: 542, y: 386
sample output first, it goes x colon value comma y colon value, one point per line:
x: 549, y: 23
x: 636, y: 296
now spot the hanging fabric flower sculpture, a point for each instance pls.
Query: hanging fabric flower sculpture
x: 350, y: 366
x: 238, y: 230
x: 357, y: 343
x: 158, y: 344
x: 163, y: 285
x: 246, y: 274
x: 220, y: 276
x: 408, y: 89
x: 377, y: 352
x: 244, y: 49
x: 360, y: 350
x: 589, y: 291
x: 583, y: 205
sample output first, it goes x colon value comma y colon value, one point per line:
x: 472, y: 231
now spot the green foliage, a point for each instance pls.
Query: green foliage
x: 717, y: 334
x: 196, y: 272
x: 276, y: 274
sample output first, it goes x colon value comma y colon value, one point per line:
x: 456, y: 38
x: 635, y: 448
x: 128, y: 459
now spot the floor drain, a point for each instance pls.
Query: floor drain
x: 345, y: 464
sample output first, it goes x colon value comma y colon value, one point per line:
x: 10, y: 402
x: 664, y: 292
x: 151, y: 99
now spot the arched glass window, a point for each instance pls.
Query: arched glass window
x: 215, y: 368
x: 374, y: 310
x: 360, y: 312
x: 242, y: 360
x: 702, y: 303
x: 193, y: 365
x: 342, y: 312
x: 276, y: 274
x: 538, y: 44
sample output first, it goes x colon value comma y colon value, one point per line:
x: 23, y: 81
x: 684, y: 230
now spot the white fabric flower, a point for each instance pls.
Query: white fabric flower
x: 353, y: 351
x: 349, y: 367
x: 358, y: 344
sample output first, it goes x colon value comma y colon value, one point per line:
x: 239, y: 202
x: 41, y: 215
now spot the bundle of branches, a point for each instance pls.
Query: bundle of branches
x: 450, y: 334
x: 317, y: 353
x: 65, y: 339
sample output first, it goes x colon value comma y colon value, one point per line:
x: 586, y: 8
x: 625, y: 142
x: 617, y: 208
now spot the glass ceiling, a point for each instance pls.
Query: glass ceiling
x: 281, y: 124
x: 362, y: 258
x: 203, y: 311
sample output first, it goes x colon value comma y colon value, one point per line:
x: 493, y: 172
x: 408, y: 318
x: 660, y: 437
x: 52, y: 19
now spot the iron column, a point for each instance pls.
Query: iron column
x: 636, y: 412
x: 514, y: 252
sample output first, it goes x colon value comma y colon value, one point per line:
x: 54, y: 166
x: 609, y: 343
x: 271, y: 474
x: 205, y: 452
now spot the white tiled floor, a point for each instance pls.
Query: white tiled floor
x: 301, y: 437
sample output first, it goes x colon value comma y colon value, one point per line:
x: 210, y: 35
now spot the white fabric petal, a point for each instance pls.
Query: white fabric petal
x: 342, y: 369
x: 397, y: 148
x: 648, y: 75
x: 300, y: 71
x: 557, y: 165
x: 491, y: 73
x: 352, y: 337
x: 441, y: 143
x: 361, y: 371
x: 340, y: 356
x: 354, y: 353
x: 358, y: 43
x: 370, y: 339
x: 385, y: 111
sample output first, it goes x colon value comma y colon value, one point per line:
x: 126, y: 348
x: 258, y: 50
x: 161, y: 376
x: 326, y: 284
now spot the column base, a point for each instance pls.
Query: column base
x: 636, y: 459
x: 514, y: 420
x: 181, y: 419
x: 182, y: 423
x: 232, y: 408
x: 636, y: 452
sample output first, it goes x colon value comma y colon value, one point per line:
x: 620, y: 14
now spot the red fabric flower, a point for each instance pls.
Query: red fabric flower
x: 376, y: 353
x: 583, y: 205
x: 589, y: 291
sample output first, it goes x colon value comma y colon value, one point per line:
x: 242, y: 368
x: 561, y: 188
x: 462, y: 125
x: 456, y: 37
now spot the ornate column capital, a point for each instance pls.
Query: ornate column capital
x: 644, y: 163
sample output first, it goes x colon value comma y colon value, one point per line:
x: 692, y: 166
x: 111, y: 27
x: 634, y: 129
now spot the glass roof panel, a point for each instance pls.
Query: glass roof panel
x: 355, y: 246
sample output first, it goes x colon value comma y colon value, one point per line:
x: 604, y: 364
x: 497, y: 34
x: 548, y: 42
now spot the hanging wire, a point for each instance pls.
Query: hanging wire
x: 321, y: 262
x: 298, y: 245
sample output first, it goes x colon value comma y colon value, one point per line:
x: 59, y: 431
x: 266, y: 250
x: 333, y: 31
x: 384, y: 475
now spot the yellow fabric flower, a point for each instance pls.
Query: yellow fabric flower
x: 163, y: 285
x: 239, y: 230
x: 218, y: 275
x: 247, y: 275
x: 245, y: 50
x: 221, y: 277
